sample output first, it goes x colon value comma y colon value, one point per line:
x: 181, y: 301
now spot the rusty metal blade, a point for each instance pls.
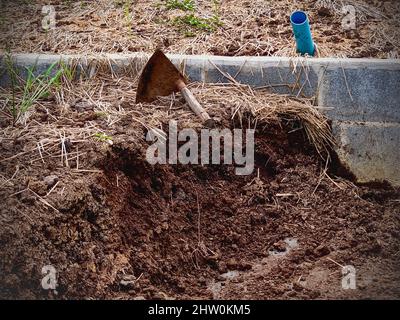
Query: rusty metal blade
x: 158, y: 78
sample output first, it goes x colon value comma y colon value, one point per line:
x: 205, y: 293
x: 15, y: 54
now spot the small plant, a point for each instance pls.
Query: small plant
x: 216, y: 18
x: 189, y: 34
x: 185, y: 5
x: 126, y: 7
x: 192, y: 22
x: 204, y: 24
x: 32, y: 89
x: 68, y: 73
x: 103, y: 137
x: 101, y: 114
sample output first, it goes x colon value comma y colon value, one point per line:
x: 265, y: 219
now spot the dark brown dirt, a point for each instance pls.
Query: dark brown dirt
x: 141, y: 231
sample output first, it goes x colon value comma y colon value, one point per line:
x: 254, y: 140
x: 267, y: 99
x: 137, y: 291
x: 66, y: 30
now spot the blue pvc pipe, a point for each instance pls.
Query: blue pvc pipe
x: 302, y: 33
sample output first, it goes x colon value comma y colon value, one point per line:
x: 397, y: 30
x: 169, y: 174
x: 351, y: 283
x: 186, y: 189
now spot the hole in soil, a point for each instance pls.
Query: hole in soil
x: 185, y: 225
x: 191, y: 230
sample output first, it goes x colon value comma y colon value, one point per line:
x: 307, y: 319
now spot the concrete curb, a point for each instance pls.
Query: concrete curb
x: 361, y: 96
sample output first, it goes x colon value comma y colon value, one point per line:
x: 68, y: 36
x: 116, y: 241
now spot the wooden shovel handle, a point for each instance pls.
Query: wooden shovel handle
x: 195, y: 105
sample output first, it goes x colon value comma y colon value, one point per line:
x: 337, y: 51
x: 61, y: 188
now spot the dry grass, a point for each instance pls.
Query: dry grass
x: 257, y: 27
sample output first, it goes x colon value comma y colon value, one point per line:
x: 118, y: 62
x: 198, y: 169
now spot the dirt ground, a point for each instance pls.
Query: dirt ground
x: 116, y: 227
x: 220, y: 27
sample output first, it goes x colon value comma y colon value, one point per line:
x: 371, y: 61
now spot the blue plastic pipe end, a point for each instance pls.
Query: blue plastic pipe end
x: 302, y: 33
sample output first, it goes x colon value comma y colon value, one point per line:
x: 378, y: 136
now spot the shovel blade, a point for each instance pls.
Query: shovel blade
x: 159, y: 78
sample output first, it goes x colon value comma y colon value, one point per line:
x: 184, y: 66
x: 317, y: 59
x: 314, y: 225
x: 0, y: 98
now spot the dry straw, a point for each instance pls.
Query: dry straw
x: 256, y: 27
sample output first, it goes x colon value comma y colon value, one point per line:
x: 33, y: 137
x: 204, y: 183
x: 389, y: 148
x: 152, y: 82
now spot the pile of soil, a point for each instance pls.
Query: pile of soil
x: 121, y: 228
x: 221, y: 27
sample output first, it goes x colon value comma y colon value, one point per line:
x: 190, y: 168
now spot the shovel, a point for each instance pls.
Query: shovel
x: 161, y: 78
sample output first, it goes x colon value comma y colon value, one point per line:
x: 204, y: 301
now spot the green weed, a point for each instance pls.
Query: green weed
x: 193, y: 22
x: 103, y: 137
x: 127, y: 10
x: 185, y: 5
x: 26, y: 93
x: 198, y: 23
